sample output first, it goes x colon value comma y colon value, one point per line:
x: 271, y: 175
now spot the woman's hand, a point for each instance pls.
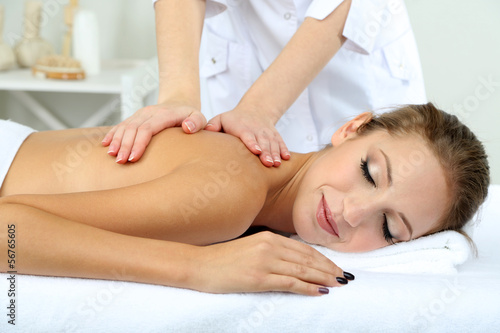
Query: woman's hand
x: 264, y: 262
x: 256, y: 131
x: 128, y: 140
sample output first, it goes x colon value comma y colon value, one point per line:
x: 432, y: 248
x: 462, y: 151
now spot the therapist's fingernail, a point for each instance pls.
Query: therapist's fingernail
x: 269, y: 159
x: 258, y: 148
x: 189, y: 125
x: 119, y: 158
x: 341, y: 280
x: 349, y: 276
x: 131, y: 158
x: 323, y: 290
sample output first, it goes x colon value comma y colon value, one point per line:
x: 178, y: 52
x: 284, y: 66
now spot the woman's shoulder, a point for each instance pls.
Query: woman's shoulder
x: 224, y: 152
x: 209, y: 147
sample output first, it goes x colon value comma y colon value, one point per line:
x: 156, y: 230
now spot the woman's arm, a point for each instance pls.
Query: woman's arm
x: 179, y: 26
x: 305, y: 55
x: 200, y: 203
x: 47, y: 244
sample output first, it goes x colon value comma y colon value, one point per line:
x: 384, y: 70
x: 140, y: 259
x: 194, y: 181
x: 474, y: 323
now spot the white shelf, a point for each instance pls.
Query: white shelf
x: 106, y: 82
x: 118, y: 78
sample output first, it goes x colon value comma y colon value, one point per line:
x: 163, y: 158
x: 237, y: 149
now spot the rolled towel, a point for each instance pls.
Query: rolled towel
x: 439, y: 253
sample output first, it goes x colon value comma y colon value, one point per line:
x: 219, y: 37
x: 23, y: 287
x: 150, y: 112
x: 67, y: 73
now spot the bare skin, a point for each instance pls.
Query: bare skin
x: 210, y: 179
x: 100, y: 217
x: 79, y: 214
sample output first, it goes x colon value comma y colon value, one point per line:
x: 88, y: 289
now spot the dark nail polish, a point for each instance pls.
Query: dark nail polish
x: 323, y: 290
x: 341, y: 280
x: 349, y: 276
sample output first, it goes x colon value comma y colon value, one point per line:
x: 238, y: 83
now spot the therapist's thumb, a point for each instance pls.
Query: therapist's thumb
x: 214, y: 124
x: 195, y: 122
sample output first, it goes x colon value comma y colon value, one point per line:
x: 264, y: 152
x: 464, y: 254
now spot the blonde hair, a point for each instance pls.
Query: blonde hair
x: 458, y: 150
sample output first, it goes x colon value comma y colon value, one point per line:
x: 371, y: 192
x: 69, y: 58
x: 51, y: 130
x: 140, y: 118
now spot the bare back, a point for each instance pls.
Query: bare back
x: 75, y: 161
x: 193, y: 188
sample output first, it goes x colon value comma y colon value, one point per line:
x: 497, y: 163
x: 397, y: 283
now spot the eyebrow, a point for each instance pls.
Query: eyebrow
x: 389, y: 168
x: 389, y: 177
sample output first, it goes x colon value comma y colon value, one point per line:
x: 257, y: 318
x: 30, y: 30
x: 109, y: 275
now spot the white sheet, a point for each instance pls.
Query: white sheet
x: 12, y: 136
x: 468, y: 301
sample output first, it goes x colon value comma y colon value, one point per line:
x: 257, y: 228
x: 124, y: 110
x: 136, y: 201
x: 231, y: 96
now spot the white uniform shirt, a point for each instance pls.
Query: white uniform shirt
x: 378, y: 65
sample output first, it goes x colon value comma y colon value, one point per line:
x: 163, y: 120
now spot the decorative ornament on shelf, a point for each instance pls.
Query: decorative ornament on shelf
x: 32, y: 47
x: 7, y: 57
x: 62, y: 67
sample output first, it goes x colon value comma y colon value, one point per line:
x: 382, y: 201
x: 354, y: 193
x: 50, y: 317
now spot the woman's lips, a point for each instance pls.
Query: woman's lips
x: 324, y: 217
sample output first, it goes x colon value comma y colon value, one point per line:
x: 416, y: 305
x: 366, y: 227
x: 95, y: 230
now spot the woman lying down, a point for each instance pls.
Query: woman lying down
x: 166, y: 219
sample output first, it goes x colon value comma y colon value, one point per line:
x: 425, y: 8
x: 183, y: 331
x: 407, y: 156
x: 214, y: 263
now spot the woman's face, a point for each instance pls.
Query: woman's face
x: 370, y: 192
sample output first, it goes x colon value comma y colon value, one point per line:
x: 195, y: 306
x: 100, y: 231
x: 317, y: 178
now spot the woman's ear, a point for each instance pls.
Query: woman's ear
x: 349, y: 129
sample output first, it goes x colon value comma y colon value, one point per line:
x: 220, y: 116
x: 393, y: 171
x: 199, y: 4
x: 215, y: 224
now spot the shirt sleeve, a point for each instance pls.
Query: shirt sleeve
x: 369, y: 24
x: 213, y: 7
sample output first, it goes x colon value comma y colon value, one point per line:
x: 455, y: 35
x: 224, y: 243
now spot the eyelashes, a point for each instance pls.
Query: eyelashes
x: 366, y: 174
x: 387, y: 234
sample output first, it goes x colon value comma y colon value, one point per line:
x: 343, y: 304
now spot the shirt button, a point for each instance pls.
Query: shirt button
x: 287, y: 15
x: 214, y: 61
x: 309, y: 138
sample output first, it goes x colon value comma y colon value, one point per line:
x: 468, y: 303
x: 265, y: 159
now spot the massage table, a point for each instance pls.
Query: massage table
x: 465, y: 298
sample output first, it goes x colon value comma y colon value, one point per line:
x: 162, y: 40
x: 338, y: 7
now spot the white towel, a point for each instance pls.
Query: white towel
x: 12, y: 135
x: 439, y: 253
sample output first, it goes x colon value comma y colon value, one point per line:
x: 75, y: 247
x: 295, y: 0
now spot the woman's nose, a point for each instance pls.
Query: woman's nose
x: 357, y: 210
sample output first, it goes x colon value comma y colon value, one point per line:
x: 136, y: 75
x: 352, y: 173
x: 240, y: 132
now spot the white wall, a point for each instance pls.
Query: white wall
x: 459, y: 43
x: 126, y: 26
x: 126, y: 32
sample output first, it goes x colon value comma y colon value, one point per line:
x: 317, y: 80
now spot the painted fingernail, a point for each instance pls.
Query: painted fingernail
x: 132, y: 156
x: 119, y: 158
x: 189, y: 125
x: 323, y: 290
x: 341, y: 280
x: 258, y: 148
x: 111, y: 151
x: 269, y: 159
x: 349, y: 276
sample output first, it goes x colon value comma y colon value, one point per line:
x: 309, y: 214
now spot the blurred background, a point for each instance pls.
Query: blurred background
x: 458, y: 40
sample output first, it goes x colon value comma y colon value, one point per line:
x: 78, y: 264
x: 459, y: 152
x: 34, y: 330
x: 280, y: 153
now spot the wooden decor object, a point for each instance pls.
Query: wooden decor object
x: 32, y: 47
x: 69, y: 15
x: 58, y: 67
x: 61, y: 67
x: 7, y: 57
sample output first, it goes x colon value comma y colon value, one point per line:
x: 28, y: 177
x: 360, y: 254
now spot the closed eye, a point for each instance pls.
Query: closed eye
x: 387, y: 234
x: 385, y: 227
x: 366, y: 172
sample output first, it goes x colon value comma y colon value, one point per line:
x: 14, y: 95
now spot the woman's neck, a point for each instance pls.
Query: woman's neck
x: 286, y: 180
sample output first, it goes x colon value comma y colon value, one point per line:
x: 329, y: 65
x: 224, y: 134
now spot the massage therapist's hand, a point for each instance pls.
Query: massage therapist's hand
x: 264, y: 262
x: 128, y: 140
x: 256, y: 130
